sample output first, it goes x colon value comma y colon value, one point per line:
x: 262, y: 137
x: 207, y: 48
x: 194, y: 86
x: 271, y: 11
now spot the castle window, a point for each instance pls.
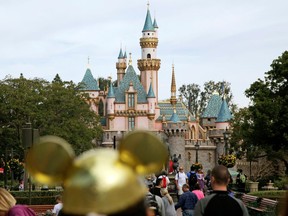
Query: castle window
x: 149, y: 56
x: 131, y: 123
x: 131, y: 101
x: 148, y: 33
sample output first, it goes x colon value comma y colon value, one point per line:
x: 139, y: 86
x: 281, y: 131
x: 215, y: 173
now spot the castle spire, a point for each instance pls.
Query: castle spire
x: 130, y: 59
x: 148, y: 25
x: 173, y: 99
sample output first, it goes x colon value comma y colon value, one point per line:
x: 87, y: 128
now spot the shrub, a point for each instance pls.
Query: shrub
x: 270, y: 194
x: 282, y: 183
x: 37, y: 197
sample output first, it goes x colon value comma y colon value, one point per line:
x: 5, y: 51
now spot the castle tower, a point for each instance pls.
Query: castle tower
x: 149, y: 64
x: 121, y: 66
x: 224, y: 116
x: 173, y: 99
x: 151, y: 103
x: 110, y: 104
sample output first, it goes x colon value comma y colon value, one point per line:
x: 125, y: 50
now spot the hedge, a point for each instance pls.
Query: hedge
x: 37, y: 197
x: 270, y: 194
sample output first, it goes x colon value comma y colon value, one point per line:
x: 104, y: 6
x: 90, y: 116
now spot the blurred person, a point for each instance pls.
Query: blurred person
x: 8, y: 206
x: 180, y: 180
x: 58, y: 206
x: 197, y: 191
x: 187, y: 201
x: 219, y: 203
x: 168, y: 203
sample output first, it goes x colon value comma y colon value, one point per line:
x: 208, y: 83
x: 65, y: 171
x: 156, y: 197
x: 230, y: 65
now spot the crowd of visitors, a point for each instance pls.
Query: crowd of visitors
x: 191, y: 189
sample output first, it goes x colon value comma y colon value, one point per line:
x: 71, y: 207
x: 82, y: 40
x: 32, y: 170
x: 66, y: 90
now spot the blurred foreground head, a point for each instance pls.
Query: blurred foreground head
x: 102, y: 181
x: 7, y: 201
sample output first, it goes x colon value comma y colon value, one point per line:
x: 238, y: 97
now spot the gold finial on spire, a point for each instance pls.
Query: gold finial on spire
x: 88, y: 63
x: 130, y: 58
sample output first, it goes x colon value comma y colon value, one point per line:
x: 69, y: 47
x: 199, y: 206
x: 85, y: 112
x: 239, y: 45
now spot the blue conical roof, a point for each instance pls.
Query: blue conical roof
x: 150, y: 92
x: 174, y: 118
x: 148, y: 26
x: 130, y: 76
x: 125, y: 55
x: 88, y: 81
x: 224, y: 113
x: 111, y: 91
x: 155, y: 23
x: 213, y: 107
x: 120, y: 54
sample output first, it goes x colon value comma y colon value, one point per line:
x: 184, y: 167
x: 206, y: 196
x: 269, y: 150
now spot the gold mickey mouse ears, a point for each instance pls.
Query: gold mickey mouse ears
x: 98, y: 180
x: 143, y: 151
x: 49, y: 159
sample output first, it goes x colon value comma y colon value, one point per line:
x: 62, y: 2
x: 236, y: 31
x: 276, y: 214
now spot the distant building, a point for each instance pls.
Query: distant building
x: 134, y: 104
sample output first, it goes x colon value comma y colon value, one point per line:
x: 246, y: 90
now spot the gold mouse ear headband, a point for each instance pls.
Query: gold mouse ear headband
x: 98, y: 180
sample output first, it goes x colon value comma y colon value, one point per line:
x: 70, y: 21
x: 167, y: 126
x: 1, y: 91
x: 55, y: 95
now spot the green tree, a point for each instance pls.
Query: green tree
x: 196, y: 99
x: 263, y: 126
x: 56, y: 108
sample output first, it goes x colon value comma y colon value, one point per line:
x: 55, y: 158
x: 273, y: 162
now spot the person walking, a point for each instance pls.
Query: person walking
x: 187, y: 201
x: 219, y: 203
x: 200, y: 195
x: 58, y: 206
x: 180, y: 180
x: 168, y: 203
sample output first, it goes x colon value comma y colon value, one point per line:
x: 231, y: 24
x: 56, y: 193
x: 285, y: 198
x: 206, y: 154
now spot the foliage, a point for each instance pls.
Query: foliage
x: 57, y: 108
x: 37, y: 197
x: 196, y: 99
x: 227, y: 160
x: 269, y: 194
x: 263, y: 126
x: 17, y: 167
x: 281, y: 183
x: 197, y: 166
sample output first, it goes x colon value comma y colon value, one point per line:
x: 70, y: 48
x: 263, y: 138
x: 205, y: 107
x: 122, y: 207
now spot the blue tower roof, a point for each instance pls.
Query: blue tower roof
x: 88, y: 81
x: 125, y: 55
x: 224, y: 113
x: 130, y: 76
x: 155, y: 23
x: 174, y: 117
x: 151, y: 92
x: 213, y: 107
x: 167, y: 110
x: 148, y: 26
x: 120, y: 54
x: 111, y: 91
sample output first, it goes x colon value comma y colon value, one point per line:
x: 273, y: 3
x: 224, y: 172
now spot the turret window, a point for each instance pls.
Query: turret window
x: 131, y: 123
x: 149, y: 56
x: 131, y: 101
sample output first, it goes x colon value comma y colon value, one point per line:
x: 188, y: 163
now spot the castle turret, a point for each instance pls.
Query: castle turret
x: 110, y: 103
x: 149, y: 64
x: 224, y: 116
x: 151, y: 103
x: 121, y: 66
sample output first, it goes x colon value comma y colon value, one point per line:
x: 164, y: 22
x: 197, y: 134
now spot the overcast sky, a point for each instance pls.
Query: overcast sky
x: 207, y: 40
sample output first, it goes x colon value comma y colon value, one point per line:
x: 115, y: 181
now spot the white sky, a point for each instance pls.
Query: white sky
x: 207, y: 40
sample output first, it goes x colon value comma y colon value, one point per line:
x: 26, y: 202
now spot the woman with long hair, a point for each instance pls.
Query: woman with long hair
x: 168, y: 203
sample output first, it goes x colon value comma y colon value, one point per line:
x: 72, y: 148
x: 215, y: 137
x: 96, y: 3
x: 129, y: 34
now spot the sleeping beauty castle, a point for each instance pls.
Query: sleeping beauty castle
x: 134, y: 104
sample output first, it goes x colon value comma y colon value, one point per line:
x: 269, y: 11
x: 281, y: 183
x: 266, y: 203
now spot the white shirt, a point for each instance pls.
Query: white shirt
x: 181, y: 178
x: 57, y: 208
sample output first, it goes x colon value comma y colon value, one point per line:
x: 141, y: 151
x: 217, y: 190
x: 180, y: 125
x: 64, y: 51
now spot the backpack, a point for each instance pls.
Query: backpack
x: 242, y: 178
x: 192, y: 180
x: 152, y: 203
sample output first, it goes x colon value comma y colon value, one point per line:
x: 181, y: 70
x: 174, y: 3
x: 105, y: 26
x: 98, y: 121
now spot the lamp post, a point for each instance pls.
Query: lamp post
x: 197, y: 148
x: 226, y: 135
